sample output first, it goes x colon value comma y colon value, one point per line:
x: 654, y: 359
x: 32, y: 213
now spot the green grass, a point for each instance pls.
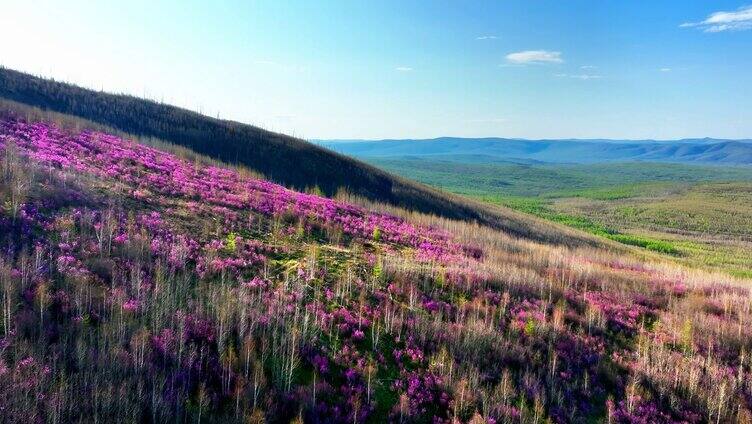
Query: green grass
x: 625, y: 191
x: 538, y: 208
x: 648, y: 243
x: 701, y: 215
x: 713, y: 208
x: 735, y: 260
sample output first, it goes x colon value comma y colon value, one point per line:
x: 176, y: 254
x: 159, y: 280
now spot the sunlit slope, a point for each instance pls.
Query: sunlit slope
x: 141, y: 285
x: 287, y: 160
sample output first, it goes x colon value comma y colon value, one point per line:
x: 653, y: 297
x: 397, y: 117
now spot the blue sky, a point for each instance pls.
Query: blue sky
x: 401, y: 69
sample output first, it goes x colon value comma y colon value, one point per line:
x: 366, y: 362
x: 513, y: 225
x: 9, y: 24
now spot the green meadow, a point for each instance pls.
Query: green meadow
x: 699, y: 215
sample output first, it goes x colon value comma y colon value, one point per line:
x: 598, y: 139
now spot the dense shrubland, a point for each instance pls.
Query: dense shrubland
x: 137, y: 285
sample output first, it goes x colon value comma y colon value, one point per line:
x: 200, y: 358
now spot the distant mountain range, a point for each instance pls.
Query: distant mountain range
x: 704, y: 150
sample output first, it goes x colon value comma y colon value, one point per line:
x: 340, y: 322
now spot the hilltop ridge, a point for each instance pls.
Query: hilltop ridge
x: 290, y: 161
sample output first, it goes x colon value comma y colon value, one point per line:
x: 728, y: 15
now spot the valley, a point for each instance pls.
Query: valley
x: 131, y: 267
x: 696, y: 214
x: 349, y: 212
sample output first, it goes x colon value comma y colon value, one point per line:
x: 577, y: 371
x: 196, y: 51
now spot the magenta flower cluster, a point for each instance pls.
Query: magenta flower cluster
x: 154, y: 175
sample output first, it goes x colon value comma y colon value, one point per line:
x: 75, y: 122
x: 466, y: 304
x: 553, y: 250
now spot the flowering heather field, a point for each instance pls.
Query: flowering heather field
x: 143, y: 286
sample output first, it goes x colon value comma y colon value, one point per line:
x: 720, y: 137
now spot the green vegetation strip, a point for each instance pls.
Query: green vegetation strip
x: 538, y: 208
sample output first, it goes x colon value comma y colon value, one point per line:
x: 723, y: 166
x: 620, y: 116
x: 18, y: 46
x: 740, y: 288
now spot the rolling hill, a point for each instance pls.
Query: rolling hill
x: 702, y: 151
x: 287, y: 160
x: 140, y: 285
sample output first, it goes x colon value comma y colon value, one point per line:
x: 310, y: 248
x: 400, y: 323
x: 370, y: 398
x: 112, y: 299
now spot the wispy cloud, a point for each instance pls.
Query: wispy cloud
x: 486, y: 120
x: 739, y: 20
x: 534, y: 57
x: 403, y: 69
x: 665, y: 69
x: 487, y: 37
x: 583, y: 77
x: 266, y: 62
x: 282, y: 66
x: 587, y: 67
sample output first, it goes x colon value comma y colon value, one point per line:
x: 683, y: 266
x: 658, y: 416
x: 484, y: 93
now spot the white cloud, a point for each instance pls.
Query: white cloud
x: 534, y: 56
x: 487, y: 37
x: 583, y: 77
x: 739, y: 20
x: 586, y: 67
x: 665, y: 69
x: 403, y: 69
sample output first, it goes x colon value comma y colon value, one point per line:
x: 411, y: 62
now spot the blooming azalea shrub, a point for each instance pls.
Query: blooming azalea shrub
x: 216, y: 191
x: 139, y: 285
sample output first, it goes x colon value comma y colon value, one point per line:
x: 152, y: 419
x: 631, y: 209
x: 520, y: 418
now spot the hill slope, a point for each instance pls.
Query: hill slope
x: 139, y: 286
x: 706, y: 151
x: 283, y: 159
